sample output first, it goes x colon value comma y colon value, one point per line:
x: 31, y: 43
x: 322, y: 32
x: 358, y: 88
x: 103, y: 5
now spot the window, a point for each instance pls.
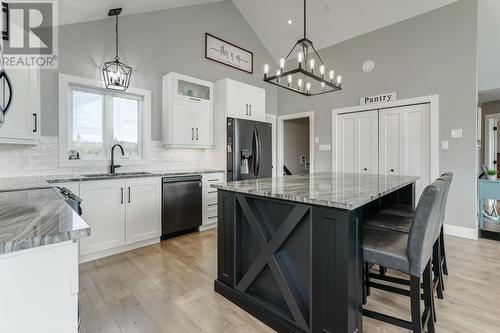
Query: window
x: 93, y: 119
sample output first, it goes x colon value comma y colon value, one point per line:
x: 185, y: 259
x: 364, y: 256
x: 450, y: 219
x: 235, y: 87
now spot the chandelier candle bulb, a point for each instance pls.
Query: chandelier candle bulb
x: 312, y: 63
x: 300, y: 57
x: 339, y: 79
x: 299, y: 84
x: 266, y: 69
x: 322, y: 70
x: 308, y: 86
x: 290, y: 79
x: 282, y: 63
x: 331, y: 74
x: 323, y: 86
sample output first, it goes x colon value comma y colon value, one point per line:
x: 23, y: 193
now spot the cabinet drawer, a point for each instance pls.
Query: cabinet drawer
x: 210, y: 211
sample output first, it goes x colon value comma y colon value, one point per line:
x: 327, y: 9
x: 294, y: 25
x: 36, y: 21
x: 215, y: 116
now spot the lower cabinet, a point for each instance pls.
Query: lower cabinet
x: 120, y: 213
x: 209, y: 213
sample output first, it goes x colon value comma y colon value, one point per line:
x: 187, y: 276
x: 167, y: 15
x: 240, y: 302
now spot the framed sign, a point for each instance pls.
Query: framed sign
x: 389, y: 97
x: 228, y: 54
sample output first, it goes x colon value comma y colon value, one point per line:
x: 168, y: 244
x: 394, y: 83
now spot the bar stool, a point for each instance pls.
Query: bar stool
x: 409, y: 254
x: 399, y: 218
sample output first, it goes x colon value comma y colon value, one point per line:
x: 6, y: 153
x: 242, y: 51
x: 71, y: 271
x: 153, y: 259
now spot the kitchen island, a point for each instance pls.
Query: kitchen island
x: 290, y: 251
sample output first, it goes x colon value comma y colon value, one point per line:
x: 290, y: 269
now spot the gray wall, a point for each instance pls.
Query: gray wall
x: 434, y: 53
x: 295, y: 144
x: 154, y: 44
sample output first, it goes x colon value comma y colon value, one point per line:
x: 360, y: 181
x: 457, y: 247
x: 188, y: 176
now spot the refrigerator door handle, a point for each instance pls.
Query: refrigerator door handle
x: 254, y: 152
x: 258, y: 153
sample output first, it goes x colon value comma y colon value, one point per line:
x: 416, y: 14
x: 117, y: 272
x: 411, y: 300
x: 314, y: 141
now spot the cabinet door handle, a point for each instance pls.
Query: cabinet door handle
x: 192, y: 133
x: 35, y: 120
x: 194, y: 99
x: 365, y: 169
x: 129, y: 194
x: 246, y: 113
x: 250, y: 110
x: 196, y: 133
x: 392, y: 170
x: 121, y: 189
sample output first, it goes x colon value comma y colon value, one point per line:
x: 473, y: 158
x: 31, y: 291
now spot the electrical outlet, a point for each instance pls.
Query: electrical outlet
x: 445, y: 145
x: 316, y: 139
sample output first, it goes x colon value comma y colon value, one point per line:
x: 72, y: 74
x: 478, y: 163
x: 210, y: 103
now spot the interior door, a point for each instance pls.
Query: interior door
x: 405, y: 143
x: 183, y: 131
x: 347, y: 157
x: 202, y: 123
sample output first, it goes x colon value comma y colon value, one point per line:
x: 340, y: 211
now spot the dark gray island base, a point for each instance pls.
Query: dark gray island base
x: 289, y: 248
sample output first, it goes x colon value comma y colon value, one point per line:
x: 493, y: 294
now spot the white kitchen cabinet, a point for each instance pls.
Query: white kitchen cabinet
x: 187, y: 115
x: 142, y: 209
x: 241, y: 100
x: 123, y: 214
x: 209, y: 199
x: 22, y: 122
x: 103, y: 206
x: 357, y: 139
x: 405, y: 143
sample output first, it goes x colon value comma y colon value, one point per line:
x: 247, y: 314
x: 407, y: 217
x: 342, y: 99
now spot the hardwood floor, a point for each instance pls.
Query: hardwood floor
x: 169, y: 288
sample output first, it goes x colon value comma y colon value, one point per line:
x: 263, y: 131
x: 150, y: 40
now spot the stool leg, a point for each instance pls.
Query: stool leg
x: 443, y: 252
x: 382, y: 270
x: 368, y: 289
x: 365, y: 283
x: 437, y: 271
x: 429, y: 298
x: 416, y: 318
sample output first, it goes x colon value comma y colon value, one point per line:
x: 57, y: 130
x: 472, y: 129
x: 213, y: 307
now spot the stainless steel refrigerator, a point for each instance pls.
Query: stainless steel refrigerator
x: 249, y: 149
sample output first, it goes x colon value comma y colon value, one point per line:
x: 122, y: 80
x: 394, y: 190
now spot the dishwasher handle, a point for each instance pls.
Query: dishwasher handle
x: 175, y: 179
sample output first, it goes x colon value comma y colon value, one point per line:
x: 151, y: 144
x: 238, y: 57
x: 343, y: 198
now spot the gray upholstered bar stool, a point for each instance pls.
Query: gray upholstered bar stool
x: 409, y: 254
x: 399, y: 218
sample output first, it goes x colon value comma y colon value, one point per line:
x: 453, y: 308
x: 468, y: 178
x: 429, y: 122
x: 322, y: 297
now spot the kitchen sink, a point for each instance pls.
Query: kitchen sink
x: 98, y: 175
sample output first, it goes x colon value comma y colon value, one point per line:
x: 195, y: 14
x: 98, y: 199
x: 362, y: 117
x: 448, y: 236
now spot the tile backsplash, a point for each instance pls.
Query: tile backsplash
x: 42, y: 159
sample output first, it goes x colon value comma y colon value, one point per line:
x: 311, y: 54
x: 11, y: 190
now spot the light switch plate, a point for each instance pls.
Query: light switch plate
x: 325, y: 147
x: 445, y: 145
x: 456, y: 133
x: 316, y: 139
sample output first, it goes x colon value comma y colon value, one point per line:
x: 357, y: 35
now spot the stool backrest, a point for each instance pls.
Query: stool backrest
x: 422, y: 232
x: 448, y: 177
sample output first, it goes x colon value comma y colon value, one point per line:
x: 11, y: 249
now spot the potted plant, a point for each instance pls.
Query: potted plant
x: 491, y: 174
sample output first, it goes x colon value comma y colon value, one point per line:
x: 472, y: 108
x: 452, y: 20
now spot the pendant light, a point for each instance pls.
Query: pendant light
x: 115, y: 73
x: 303, y: 78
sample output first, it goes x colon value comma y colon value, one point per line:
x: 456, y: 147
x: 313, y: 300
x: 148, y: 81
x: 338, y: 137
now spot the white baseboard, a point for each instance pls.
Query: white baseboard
x: 453, y: 230
x: 207, y: 226
x: 120, y: 249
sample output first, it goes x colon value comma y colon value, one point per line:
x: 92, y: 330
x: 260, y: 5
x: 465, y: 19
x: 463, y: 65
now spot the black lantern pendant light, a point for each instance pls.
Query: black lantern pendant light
x: 304, y: 78
x: 116, y: 74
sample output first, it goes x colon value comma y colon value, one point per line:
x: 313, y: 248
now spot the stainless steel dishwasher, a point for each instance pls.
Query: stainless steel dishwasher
x: 181, y: 205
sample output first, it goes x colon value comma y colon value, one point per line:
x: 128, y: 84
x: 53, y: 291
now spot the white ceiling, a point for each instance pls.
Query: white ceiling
x: 73, y: 11
x: 329, y: 21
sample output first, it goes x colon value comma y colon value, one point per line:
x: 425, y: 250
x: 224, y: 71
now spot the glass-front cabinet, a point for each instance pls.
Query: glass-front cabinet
x: 189, y: 88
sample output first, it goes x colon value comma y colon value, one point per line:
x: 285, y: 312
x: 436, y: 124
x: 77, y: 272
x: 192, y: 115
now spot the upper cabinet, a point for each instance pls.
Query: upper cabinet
x: 187, y: 117
x: 241, y: 100
x: 22, y: 122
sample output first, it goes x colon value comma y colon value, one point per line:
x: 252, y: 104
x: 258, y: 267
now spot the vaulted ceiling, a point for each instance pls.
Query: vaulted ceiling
x: 328, y: 21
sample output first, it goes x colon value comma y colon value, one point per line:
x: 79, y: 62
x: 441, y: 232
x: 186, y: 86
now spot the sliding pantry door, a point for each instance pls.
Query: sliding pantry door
x: 404, y: 137
x: 357, y: 138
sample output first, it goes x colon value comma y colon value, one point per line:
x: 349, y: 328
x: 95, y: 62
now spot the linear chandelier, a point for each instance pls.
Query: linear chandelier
x: 115, y: 73
x: 304, y: 79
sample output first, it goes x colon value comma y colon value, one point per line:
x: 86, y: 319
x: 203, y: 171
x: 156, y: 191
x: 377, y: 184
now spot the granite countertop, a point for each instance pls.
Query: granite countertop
x: 36, y: 217
x: 37, y: 182
x: 339, y: 190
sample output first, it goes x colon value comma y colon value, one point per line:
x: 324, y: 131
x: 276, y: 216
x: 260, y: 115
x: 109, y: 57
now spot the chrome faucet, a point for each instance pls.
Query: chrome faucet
x: 113, y: 167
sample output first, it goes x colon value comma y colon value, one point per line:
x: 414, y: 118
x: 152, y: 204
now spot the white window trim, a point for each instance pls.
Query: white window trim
x: 66, y: 83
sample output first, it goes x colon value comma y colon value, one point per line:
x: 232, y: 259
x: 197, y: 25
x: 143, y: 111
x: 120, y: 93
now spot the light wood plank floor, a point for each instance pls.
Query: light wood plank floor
x: 169, y: 288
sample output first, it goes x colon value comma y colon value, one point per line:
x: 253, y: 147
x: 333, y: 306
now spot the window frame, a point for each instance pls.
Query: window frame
x: 69, y: 83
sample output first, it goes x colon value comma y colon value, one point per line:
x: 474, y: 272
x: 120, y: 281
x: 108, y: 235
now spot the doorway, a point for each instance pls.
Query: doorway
x: 296, y: 144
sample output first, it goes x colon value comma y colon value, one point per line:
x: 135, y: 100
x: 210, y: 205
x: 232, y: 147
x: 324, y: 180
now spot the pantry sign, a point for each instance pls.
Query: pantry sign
x: 388, y: 97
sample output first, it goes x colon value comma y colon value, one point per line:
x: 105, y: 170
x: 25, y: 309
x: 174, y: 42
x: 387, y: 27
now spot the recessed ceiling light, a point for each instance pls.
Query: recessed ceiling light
x: 290, y: 21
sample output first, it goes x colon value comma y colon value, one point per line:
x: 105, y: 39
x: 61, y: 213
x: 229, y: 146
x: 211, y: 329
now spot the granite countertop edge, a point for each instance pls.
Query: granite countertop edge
x: 301, y: 198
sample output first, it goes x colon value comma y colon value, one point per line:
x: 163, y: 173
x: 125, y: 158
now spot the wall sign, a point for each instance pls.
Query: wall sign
x: 389, y: 97
x: 228, y: 54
